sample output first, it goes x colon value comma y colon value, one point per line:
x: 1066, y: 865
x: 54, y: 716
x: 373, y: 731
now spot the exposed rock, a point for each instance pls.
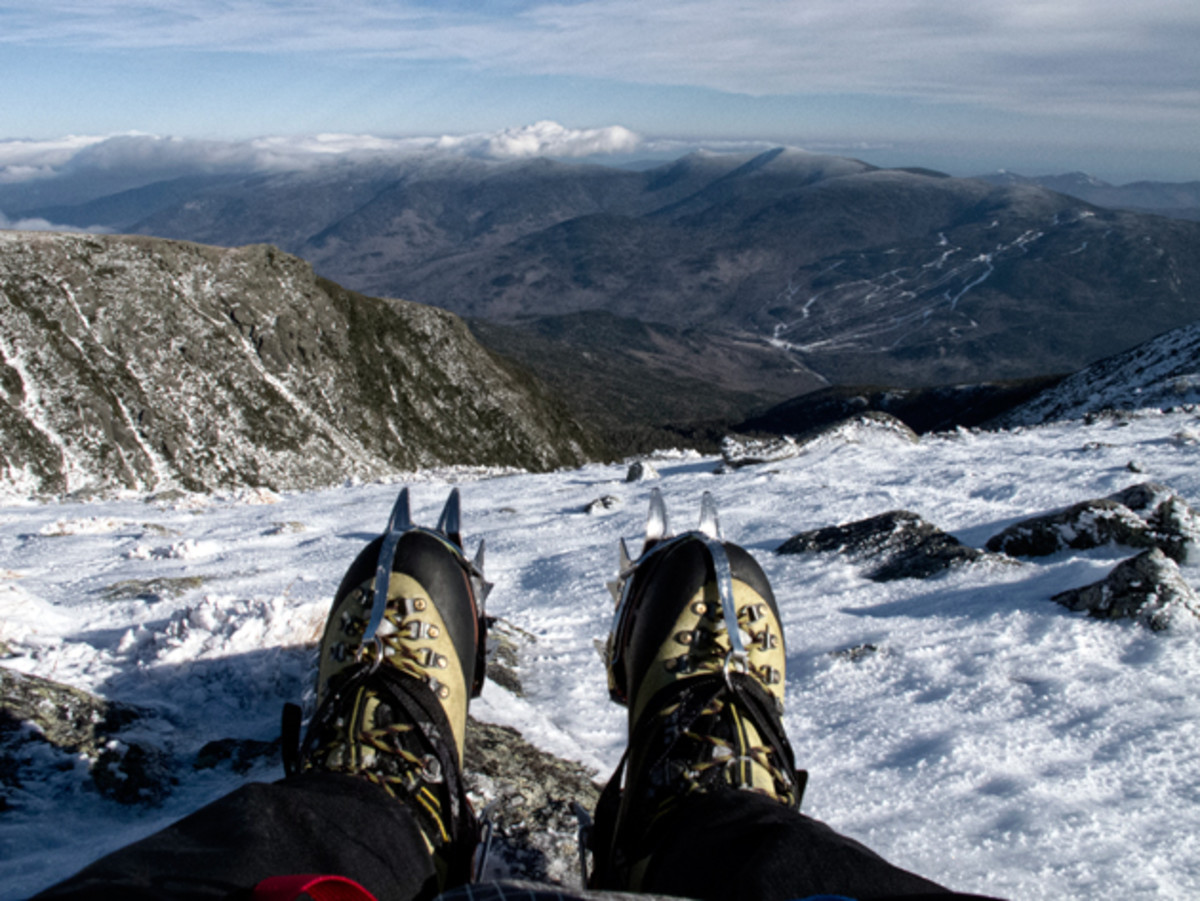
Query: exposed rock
x: 152, y: 590
x: 640, y: 471
x: 603, y: 504
x: 64, y: 717
x: 140, y: 363
x: 894, y: 545
x: 1141, y: 516
x: 856, y: 653
x: 133, y: 773
x: 285, y: 528
x: 504, y: 653
x: 240, y: 753
x: 1148, y: 588
x: 1173, y: 523
x: 1086, y: 525
x: 36, y: 713
x: 535, y: 828
x: 742, y: 450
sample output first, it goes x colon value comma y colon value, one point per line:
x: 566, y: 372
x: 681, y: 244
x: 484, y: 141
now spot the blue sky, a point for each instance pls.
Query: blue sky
x: 1036, y: 86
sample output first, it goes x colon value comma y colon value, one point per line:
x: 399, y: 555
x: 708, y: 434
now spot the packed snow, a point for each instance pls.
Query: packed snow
x: 969, y: 729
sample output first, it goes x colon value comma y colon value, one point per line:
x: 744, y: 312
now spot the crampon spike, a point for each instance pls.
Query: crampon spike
x: 657, y: 527
x: 478, y: 561
x: 450, y: 522
x: 399, y: 522
x: 401, y: 517
x: 481, y: 585
x: 614, y: 588
x: 710, y: 523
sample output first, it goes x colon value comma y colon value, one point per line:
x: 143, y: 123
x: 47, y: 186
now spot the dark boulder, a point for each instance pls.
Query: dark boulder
x: 1148, y: 588
x: 1146, y: 515
x: 894, y: 545
x: 36, y: 713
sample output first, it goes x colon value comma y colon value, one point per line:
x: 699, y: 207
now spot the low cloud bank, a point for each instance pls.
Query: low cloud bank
x: 44, y: 225
x: 24, y: 160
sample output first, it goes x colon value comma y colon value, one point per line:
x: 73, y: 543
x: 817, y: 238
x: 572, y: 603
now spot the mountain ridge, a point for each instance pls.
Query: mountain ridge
x: 139, y: 363
x: 860, y: 275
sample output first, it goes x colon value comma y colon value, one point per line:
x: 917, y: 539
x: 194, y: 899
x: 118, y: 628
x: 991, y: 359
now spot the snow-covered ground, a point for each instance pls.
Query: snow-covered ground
x: 995, y: 741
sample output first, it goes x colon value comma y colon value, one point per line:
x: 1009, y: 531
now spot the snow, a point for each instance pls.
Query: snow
x: 1161, y: 372
x: 970, y: 730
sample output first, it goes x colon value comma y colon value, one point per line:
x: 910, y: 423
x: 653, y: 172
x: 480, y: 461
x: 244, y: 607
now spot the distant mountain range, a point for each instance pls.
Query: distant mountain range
x: 138, y: 363
x: 699, y: 293
x: 1179, y: 200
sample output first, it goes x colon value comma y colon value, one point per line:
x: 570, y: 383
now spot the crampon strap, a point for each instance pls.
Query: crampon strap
x: 319, y: 888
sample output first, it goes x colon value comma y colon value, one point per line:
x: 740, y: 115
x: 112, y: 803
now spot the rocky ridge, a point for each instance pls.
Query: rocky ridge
x: 138, y: 363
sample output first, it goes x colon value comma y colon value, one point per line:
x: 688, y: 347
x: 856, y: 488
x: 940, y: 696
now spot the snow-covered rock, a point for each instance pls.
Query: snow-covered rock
x: 1148, y: 588
x: 640, y: 471
x: 894, y: 545
x: 870, y: 427
x: 1141, y: 516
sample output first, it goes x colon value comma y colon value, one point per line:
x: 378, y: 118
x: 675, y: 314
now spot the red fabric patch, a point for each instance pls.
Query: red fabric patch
x: 319, y: 888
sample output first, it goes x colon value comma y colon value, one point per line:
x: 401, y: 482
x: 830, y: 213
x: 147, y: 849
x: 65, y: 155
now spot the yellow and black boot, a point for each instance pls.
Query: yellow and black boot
x: 402, y: 654
x: 697, y: 654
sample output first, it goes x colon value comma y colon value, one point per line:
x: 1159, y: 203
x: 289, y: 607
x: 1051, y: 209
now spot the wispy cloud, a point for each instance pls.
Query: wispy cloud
x: 153, y: 157
x: 1082, y: 56
x: 44, y: 225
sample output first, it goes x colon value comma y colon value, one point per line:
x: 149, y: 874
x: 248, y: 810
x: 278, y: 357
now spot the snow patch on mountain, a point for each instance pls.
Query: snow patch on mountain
x: 1162, y: 373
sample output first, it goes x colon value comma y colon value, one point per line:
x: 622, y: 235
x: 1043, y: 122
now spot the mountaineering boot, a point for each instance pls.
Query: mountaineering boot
x: 401, y: 655
x: 697, y: 654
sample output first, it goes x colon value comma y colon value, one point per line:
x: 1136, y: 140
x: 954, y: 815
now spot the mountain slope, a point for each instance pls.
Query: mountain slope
x: 863, y: 275
x: 1179, y: 200
x: 1164, y: 372
x: 141, y: 363
x: 645, y: 386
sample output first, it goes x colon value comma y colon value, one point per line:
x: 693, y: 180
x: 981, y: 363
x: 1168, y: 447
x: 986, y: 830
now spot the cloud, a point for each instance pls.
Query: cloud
x: 155, y: 158
x: 22, y: 160
x: 1082, y: 56
x: 43, y: 225
x: 545, y: 139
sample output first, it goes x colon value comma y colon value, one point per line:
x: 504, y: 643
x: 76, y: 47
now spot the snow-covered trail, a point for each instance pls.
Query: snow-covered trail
x: 992, y: 740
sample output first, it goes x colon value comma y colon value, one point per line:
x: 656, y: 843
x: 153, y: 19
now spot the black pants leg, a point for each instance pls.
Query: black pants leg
x: 314, y: 823
x: 740, y: 845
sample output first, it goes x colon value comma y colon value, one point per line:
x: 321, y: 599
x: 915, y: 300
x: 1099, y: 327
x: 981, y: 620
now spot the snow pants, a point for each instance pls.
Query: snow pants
x: 731, y: 845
